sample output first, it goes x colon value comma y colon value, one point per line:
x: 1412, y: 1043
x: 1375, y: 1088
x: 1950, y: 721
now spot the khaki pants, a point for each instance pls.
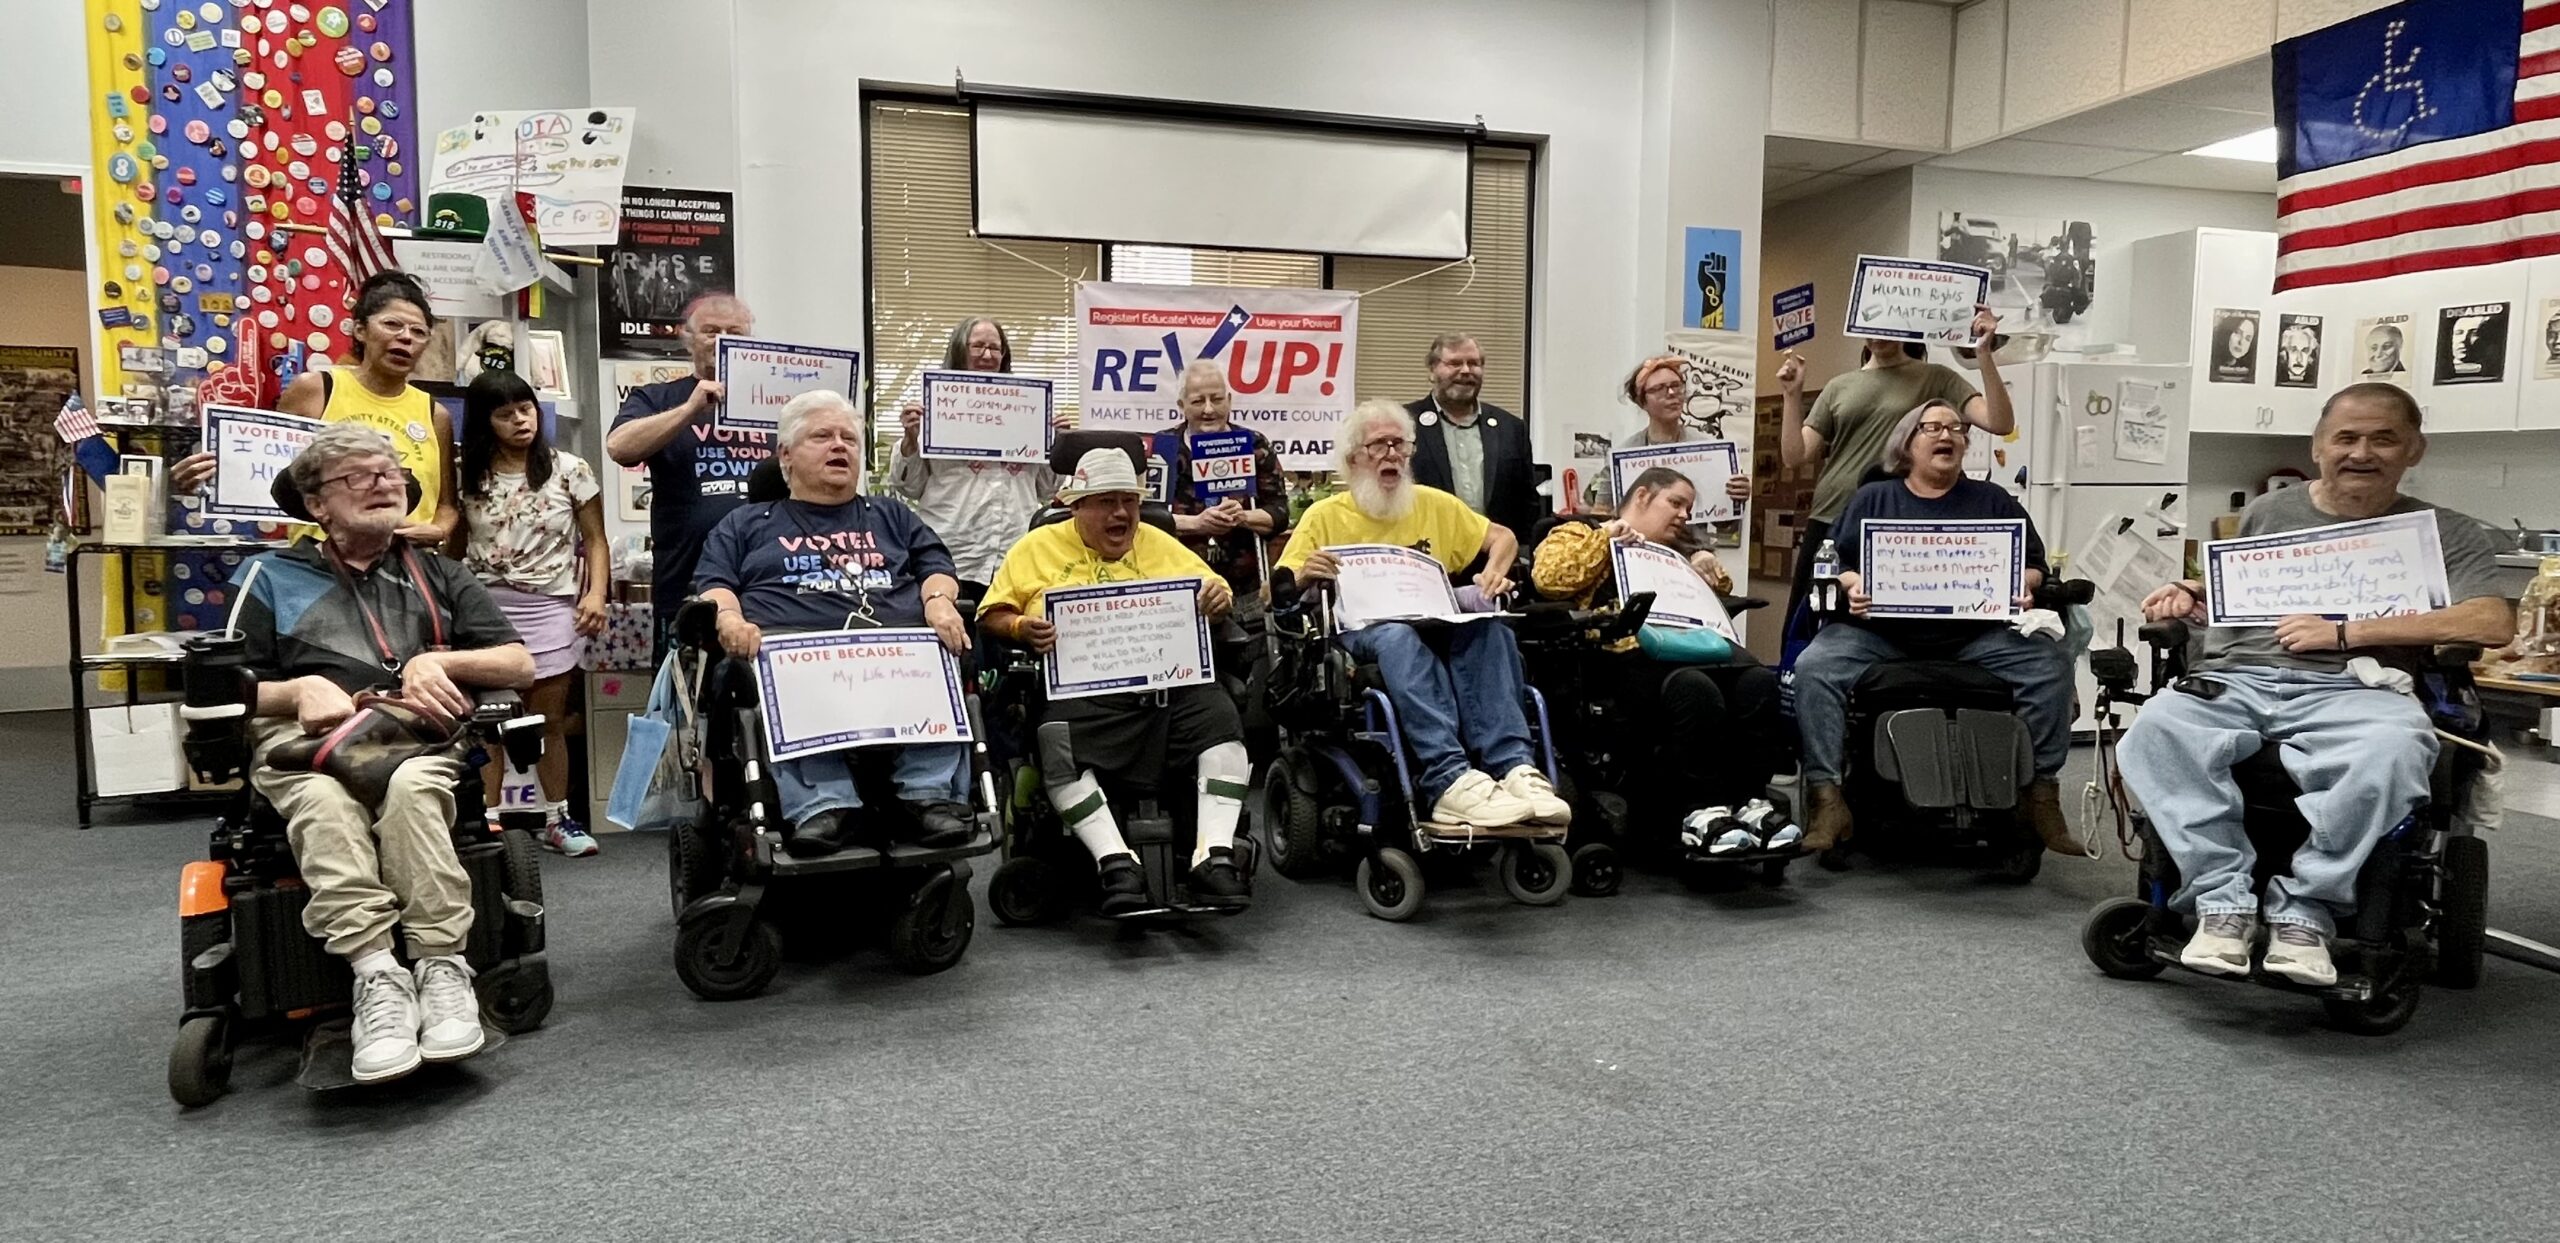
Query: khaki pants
x: 366, y: 871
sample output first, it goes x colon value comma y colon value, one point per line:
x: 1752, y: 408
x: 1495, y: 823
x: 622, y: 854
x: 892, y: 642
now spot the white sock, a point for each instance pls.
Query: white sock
x: 376, y: 963
x: 553, y: 810
x: 1088, y: 814
x: 1226, y: 775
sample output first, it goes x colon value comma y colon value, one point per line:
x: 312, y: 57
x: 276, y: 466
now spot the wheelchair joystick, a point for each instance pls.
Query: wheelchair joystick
x: 220, y: 689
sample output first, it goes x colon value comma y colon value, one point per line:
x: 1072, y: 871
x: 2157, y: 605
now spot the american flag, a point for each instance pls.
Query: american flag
x: 2421, y: 136
x: 354, y: 242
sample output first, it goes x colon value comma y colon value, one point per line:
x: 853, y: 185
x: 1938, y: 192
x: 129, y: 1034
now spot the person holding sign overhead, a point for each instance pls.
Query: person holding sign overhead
x: 980, y: 507
x: 1131, y: 738
x: 1693, y: 696
x: 1225, y: 530
x: 1925, y: 449
x: 1459, y: 691
x: 697, y: 472
x: 1476, y: 452
x: 2331, y: 691
x: 830, y: 558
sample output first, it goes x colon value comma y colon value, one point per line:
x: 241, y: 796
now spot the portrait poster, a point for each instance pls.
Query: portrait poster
x: 2298, y: 341
x: 2234, y: 346
x: 2547, y: 350
x: 2471, y: 343
x: 675, y: 246
x: 2382, y: 349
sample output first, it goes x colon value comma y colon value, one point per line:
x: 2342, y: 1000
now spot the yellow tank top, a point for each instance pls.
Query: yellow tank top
x: 408, y: 419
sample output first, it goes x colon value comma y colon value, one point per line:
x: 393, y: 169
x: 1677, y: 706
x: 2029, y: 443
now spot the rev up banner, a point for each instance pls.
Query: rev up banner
x: 1287, y: 354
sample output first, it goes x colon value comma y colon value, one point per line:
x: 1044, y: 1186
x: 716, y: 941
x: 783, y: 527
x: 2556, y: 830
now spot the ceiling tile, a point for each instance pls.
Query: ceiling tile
x: 1816, y: 185
x: 1783, y: 152
x: 1886, y: 162
x: 2040, y: 159
x: 2196, y: 172
x: 2142, y: 124
x: 2244, y: 87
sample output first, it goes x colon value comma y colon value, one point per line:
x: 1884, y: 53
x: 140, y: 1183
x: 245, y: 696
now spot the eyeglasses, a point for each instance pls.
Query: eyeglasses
x: 398, y: 329
x: 1389, y: 447
x: 359, y: 480
x: 1953, y: 431
x: 1668, y: 388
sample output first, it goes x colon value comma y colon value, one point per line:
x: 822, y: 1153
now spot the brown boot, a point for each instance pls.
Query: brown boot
x: 1830, y: 823
x: 2044, y: 815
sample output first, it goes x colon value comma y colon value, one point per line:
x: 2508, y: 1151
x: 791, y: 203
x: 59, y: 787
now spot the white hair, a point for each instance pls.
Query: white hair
x: 334, y: 444
x: 1355, y: 429
x: 1197, y: 369
x: 797, y: 412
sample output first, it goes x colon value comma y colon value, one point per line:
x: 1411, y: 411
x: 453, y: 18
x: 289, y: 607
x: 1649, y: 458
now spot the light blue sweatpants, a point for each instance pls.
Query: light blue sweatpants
x: 2360, y: 755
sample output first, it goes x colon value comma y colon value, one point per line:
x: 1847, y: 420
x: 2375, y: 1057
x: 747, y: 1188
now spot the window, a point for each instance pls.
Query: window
x: 1488, y: 300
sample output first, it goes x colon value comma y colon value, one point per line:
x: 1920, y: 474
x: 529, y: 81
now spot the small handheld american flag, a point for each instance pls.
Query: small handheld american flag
x: 354, y: 242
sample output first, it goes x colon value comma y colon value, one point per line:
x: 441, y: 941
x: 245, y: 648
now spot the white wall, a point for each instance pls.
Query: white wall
x: 44, y: 88
x: 485, y: 55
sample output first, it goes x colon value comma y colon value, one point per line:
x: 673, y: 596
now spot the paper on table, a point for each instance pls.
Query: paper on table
x: 2378, y: 567
x: 1127, y: 637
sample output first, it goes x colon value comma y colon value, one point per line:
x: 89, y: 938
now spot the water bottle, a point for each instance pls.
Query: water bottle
x: 1826, y: 577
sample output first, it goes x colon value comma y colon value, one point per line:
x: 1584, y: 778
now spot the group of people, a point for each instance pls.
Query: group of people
x: 966, y: 550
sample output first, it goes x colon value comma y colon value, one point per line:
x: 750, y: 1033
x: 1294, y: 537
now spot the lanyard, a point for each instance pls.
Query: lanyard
x: 381, y: 639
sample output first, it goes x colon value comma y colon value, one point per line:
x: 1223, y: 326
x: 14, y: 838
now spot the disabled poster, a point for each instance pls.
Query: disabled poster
x: 830, y: 690
x: 986, y: 416
x: 1287, y: 354
x: 1127, y: 637
x: 250, y: 449
x: 1682, y: 599
x: 1709, y: 464
x: 1915, y: 300
x: 1382, y: 582
x: 1970, y: 569
x: 759, y: 377
x: 2347, y: 571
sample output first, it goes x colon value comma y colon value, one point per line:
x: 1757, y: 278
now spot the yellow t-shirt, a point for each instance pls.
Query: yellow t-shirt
x: 408, y: 419
x: 1439, y: 525
x: 1055, y: 556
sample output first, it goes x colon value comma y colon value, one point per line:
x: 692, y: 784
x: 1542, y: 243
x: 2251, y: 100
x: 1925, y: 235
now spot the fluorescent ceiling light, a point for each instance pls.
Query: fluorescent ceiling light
x: 2257, y: 148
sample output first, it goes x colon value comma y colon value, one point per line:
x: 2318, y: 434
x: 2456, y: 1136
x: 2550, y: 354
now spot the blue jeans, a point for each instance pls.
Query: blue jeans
x: 2038, y: 674
x: 936, y: 772
x: 1466, y: 702
x: 2362, y: 757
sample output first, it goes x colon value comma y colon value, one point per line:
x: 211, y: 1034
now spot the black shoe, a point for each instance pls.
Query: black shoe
x: 942, y: 825
x: 819, y: 835
x: 1217, y: 881
x: 1123, y: 888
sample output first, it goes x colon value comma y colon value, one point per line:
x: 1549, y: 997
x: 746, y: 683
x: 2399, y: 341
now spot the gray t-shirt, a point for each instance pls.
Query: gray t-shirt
x: 2470, y: 571
x: 1465, y: 443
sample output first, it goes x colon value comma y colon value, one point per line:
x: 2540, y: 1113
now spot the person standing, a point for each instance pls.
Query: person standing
x: 1476, y: 452
x: 978, y: 508
x: 697, y: 472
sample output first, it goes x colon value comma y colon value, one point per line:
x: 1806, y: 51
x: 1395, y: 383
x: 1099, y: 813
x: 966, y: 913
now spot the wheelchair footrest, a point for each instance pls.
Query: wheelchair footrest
x: 2350, y: 986
x: 1440, y: 834
x: 329, y: 1055
x: 1744, y: 858
x: 1975, y: 758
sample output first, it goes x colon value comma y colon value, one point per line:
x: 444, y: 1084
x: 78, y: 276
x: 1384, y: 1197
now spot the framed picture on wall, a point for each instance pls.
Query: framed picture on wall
x: 545, y: 364
x: 2235, y: 347
x: 2546, y: 347
x: 2471, y: 343
x: 2298, y: 351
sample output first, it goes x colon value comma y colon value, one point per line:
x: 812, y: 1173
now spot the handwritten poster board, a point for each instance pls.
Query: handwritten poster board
x: 1943, y: 569
x: 829, y: 690
x: 571, y: 160
x: 250, y: 450
x: 760, y: 377
x: 1127, y: 637
x: 986, y: 416
x: 1707, y: 463
x: 1681, y: 599
x: 1381, y: 582
x: 2347, y: 571
x: 1222, y: 465
x: 1915, y: 300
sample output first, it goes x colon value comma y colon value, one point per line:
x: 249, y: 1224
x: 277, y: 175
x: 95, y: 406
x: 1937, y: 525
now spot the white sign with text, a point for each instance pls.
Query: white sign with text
x: 1381, y: 582
x: 250, y: 450
x: 758, y: 378
x: 1969, y: 569
x: 986, y: 416
x: 2347, y: 571
x: 1127, y: 637
x: 1915, y: 300
x: 827, y: 690
x: 1682, y: 599
x: 1709, y: 464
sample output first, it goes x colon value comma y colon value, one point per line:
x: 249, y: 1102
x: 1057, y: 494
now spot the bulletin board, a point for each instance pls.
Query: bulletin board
x: 34, y: 382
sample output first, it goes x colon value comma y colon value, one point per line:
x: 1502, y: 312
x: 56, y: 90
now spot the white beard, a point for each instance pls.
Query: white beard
x: 1379, y: 501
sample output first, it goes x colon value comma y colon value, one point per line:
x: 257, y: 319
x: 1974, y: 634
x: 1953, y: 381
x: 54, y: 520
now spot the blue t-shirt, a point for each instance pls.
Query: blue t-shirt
x: 694, y: 481
x: 1969, y: 500
x: 798, y: 566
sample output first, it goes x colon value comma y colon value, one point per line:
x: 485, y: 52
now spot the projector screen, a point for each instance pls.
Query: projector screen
x: 1081, y: 176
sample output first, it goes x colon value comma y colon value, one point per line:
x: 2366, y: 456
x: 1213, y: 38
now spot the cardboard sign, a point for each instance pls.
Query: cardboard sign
x: 2347, y: 571
x: 251, y: 448
x: 1682, y: 599
x: 829, y: 690
x: 1970, y: 569
x: 760, y: 377
x: 986, y: 416
x: 1915, y: 300
x: 1222, y: 465
x: 1127, y: 637
x: 1791, y: 316
x: 1707, y: 463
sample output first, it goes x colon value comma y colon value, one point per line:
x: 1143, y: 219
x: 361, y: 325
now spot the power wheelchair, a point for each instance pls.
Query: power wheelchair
x: 2422, y: 898
x: 729, y: 878
x: 246, y: 964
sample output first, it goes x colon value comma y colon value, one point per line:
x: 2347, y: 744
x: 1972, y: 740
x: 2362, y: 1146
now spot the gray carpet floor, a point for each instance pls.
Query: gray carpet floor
x: 1886, y: 1054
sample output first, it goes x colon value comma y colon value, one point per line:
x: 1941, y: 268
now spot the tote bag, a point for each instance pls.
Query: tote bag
x: 654, y: 787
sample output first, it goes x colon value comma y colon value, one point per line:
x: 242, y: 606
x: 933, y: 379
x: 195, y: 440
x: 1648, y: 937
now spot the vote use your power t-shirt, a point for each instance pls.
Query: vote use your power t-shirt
x: 1854, y: 413
x: 695, y: 480
x: 2470, y: 571
x: 797, y: 566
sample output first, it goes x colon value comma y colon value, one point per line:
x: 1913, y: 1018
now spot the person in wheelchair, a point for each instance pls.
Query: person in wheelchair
x: 371, y: 821
x: 1692, y: 697
x: 2323, y: 691
x: 1457, y: 693
x: 1130, y: 738
x: 1926, y: 450
x: 830, y: 558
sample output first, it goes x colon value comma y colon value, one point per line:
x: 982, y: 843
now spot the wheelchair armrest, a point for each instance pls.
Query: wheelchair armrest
x: 2455, y: 657
x: 2166, y: 635
x: 698, y: 624
x: 1742, y: 604
x: 492, y: 706
x: 2060, y: 594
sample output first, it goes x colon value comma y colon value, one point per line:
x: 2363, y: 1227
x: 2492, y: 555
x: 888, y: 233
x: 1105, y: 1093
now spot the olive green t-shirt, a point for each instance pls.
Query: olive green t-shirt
x: 1856, y: 410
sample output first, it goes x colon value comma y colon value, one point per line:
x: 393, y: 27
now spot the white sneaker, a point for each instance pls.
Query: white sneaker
x: 385, y: 1032
x: 1530, y: 786
x: 2221, y: 944
x: 2301, y: 955
x: 1715, y: 831
x: 1476, y: 799
x: 1776, y: 831
x: 449, y: 1011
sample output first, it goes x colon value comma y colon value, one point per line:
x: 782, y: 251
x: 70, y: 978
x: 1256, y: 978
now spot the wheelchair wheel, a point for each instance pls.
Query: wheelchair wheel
x: 200, y: 1062
x: 1390, y: 884
x: 1293, y: 820
x: 2387, y: 1011
x: 2464, y: 929
x: 1536, y: 874
x: 524, y: 871
x: 716, y: 969
x: 2116, y: 939
x: 1024, y: 890
x: 517, y: 997
x: 1596, y: 873
x: 693, y: 867
x: 923, y: 939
